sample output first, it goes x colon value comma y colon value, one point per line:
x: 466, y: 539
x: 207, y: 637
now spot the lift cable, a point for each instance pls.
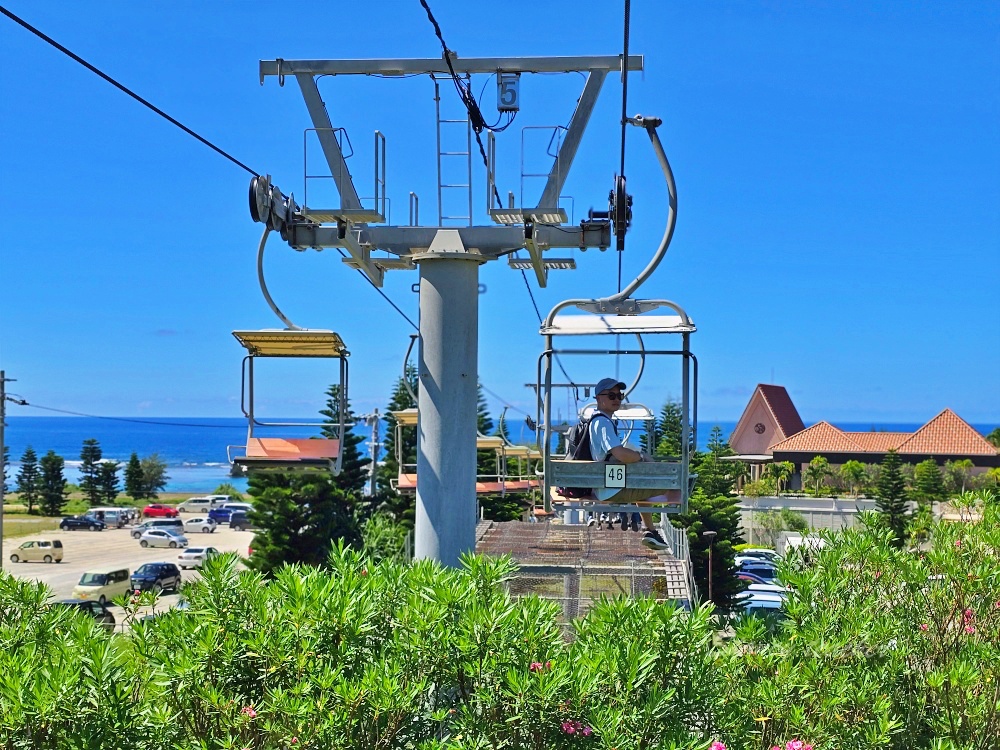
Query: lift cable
x: 116, y: 84
x: 163, y: 114
x: 44, y: 37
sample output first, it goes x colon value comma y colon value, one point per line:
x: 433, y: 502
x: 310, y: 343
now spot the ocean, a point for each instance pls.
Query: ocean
x: 194, y: 448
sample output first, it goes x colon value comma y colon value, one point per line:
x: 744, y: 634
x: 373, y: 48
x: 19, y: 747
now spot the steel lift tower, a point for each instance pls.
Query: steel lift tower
x: 447, y: 259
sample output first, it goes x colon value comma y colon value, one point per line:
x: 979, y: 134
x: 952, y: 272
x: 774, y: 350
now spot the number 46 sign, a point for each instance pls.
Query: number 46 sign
x: 614, y: 475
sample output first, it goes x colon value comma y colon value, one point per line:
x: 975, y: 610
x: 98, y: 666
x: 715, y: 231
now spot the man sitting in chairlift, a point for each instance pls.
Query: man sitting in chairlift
x: 605, y: 445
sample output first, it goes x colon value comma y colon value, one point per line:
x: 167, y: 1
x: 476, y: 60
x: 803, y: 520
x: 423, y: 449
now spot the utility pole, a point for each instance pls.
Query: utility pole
x: 4, y: 398
x: 374, y: 447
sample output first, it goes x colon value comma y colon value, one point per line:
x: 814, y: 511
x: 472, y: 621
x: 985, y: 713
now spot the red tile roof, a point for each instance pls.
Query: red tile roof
x: 947, y: 434
x: 878, y: 442
x: 781, y: 406
x: 822, y: 437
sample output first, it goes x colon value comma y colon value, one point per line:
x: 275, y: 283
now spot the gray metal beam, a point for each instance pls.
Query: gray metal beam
x: 574, y: 134
x: 490, y: 241
x: 328, y: 141
x: 408, y: 66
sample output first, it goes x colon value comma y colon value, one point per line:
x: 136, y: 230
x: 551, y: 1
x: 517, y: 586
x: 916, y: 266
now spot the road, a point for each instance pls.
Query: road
x: 86, y: 550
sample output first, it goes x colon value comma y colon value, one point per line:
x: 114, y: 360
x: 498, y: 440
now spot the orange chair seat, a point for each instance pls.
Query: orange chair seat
x: 285, y: 449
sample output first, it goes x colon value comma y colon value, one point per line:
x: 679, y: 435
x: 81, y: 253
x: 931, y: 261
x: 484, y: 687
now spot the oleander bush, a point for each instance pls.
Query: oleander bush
x: 881, y: 648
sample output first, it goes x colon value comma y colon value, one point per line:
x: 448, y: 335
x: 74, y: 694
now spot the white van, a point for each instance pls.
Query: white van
x: 113, y: 517
x: 103, y: 584
x: 203, y: 504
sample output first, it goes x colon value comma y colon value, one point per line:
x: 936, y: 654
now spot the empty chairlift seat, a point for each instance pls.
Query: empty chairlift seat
x: 285, y: 453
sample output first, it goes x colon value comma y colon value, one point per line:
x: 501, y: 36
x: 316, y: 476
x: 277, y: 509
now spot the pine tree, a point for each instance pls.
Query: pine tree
x: 299, y: 515
x: 135, y: 486
x: 720, y: 514
x: 353, y: 475
x: 714, y: 477
x: 487, y: 461
x: 107, y: 482
x: 668, y: 427
x: 29, y: 479
x: 90, y: 469
x: 52, y: 487
x: 890, y: 496
x: 928, y: 483
x: 154, y: 475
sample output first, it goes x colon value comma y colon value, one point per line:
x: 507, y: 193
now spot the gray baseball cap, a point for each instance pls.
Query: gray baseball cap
x: 607, y: 384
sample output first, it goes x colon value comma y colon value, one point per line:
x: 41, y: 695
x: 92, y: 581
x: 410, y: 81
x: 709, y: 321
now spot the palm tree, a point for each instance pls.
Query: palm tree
x: 780, y: 472
x: 817, y: 471
x: 853, y: 473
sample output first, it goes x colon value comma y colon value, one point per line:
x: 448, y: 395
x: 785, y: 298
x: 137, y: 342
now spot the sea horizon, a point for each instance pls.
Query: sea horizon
x: 195, y: 448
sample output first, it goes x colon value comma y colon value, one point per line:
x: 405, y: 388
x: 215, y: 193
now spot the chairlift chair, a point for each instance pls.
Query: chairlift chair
x: 657, y: 475
x: 290, y: 454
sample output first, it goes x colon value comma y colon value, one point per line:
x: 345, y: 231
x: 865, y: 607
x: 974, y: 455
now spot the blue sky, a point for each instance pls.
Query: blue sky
x: 839, y: 208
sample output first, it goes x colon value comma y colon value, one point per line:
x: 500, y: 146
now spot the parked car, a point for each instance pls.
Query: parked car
x: 767, y: 572
x: 203, y: 504
x: 220, y: 514
x: 157, y: 510
x: 759, y: 553
x: 38, y: 550
x: 97, y: 610
x: 193, y: 557
x: 174, y: 524
x: 102, y: 584
x: 74, y: 523
x: 202, y: 524
x: 238, y: 521
x: 758, y: 602
x: 162, y: 538
x: 156, y: 576
x: 767, y: 588
x: 749, y: 577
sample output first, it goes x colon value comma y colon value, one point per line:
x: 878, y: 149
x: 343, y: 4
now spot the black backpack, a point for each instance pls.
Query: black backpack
x: 578, y: 449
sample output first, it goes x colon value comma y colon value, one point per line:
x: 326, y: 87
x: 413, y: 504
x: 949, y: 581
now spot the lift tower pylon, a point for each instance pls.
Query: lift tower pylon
x: 448, y: 259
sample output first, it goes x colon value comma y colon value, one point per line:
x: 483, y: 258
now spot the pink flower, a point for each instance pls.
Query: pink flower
x: 967, y: 615
x: 958, y: 543
x: 536, y: 666
x: 586, y: 731
x: 548, y: 665
x: 249, y: 711
x: 969, y: 629
x: 794, y: 745
x: 923, y: 626
x: 878, y: 574
x: 717, y: 746
x: 569, y: 727
x: 295, y: 740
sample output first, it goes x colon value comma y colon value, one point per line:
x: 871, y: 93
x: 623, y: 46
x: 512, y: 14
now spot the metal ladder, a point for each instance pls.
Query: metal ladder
x: 441, y: 154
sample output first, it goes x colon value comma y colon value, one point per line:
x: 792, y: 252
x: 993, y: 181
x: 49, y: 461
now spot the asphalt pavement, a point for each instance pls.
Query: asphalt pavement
x: 87, y: 550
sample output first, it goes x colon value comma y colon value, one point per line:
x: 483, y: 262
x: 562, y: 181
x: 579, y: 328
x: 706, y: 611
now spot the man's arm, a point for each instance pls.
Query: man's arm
x: 626, y: 455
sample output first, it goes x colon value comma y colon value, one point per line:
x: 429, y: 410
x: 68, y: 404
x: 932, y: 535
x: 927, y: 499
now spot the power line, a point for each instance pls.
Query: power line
x: 116, y: 84
x: 128, y: 419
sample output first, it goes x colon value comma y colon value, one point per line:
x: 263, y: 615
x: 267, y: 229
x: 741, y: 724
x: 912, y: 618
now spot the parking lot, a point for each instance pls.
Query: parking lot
x: 87, y: 550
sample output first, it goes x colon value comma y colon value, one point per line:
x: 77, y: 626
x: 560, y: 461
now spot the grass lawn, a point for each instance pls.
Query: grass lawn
x: 14, y: 525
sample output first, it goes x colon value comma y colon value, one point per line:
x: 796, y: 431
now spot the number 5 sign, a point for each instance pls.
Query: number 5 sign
x: 508, y: 93
x: 614, y: 475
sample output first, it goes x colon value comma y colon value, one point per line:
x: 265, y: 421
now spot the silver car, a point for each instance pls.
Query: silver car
x: 162, y: 538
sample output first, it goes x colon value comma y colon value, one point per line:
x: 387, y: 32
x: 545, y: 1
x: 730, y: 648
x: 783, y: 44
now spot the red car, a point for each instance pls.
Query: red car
x: 159, y: 511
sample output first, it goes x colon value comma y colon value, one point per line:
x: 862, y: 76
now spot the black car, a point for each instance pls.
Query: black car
x: 95, y: 609
x: 72, y: 523
x: 156, y: 576
x: 238, y: 521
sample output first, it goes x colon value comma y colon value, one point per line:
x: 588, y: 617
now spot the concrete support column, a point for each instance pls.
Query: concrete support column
x: 445, y: 524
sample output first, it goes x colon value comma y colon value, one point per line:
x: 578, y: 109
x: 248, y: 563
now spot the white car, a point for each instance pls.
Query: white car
x: 202, y: 524
x: 162, y: 538
x: 193, y: 557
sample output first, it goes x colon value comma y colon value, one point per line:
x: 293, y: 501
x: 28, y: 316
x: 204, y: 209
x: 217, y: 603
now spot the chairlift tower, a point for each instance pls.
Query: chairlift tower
x: 447, y: 258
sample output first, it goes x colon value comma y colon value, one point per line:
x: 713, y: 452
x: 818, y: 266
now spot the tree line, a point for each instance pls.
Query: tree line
x: 42, y: 487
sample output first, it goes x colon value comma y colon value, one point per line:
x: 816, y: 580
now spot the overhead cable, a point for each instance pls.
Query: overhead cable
x: 116, y: 84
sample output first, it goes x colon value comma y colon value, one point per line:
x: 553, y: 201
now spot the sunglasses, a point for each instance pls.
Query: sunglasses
x: 613, y: 396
